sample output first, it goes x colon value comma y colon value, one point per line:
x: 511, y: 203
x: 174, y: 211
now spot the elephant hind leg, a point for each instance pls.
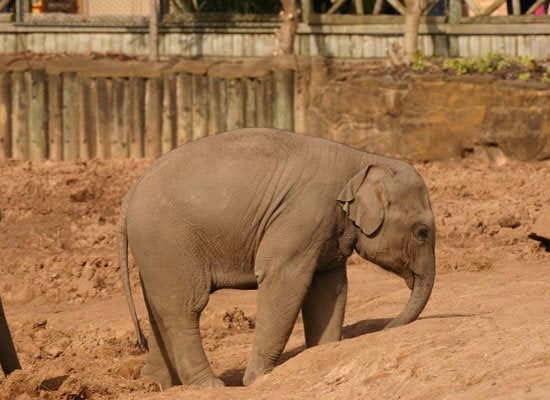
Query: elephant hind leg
x: 191, y: 363
x: 160, y: 364
x: 176, y: 355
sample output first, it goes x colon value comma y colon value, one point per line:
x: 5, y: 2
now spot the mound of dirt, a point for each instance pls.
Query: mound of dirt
x: 484, y: 333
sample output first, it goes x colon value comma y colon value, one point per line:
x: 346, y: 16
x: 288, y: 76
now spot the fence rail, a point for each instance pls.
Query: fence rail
x: 122, y: 27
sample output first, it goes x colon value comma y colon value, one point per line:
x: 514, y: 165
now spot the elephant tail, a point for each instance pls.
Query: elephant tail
x: 122, y: 243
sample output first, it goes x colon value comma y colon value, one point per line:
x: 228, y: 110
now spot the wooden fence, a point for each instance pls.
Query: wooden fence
x: 68, y: 110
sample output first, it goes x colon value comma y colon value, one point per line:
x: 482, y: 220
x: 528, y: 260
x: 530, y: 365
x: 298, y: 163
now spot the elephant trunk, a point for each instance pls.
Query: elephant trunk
x: 420, y: 294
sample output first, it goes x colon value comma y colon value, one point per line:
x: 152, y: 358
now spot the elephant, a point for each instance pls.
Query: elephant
x: 276, y: 211
x: 8, y: 355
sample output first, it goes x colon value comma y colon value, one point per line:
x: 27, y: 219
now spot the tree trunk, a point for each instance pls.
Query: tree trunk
x: 412, y: 19
x: 286, y: 33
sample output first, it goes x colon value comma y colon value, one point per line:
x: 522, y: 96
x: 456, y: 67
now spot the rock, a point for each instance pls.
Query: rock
x: 541, y: 228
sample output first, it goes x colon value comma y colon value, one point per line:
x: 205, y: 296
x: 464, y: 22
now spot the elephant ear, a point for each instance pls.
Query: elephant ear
x: 364, y: 199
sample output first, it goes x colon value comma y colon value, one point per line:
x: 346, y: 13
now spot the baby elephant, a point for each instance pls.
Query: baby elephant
x: 274, y: 211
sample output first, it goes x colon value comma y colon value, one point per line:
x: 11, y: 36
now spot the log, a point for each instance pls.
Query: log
x: 200, y: 106
x: 168, y: 113
x: 216, y: 105
x: 301, y: 100
x: 264, y: 101
x: 86, y: 122
x: 137, y: 116
x: 70, y: 117
x: 20, y: 122
x: 5, y: 115
x: 102, y: 95
x: 55, y: 117
x: 184, y: 104
x: 153, y: 117
x: 38, y: 114
x: 235, y: 104
x: 284, y: 102
x: 121, y: 118
x: 249, y: 103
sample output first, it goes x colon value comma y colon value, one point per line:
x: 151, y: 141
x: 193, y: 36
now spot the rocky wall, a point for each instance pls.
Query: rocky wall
x: 433, y: 117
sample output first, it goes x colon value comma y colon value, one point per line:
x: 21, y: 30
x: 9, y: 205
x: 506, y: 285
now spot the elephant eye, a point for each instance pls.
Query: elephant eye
x: 421, y: 232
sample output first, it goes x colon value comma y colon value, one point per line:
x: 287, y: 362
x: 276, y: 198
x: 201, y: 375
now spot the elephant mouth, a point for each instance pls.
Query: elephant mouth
x: 409, y: 280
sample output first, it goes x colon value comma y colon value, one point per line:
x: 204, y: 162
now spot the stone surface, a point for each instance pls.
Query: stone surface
x: 541, y: 228
x: 434, y: 119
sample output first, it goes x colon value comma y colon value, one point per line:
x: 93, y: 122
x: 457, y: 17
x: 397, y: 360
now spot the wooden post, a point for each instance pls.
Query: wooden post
x: 5, y: 115
x: 306, y: 11
x: 70, y: 117
x: 301, y: 100
x: 249, y: 103
x: 20, y: 127
x: 153, y: 117
x: 38, y: 115
x: 102, y: 98
x: 137, y: 116
x: 200, y: 106
x: 55, y: 117
x: 455, y: 12
x: 153, y: 31
x: 216, y: 105
x: 264, y: 101
x: 21, y: 8
x: 184, y: 104
x: 168, y: 113
x: 86, y: 129
x: 235, y: 104
x: 284, y: 99
x: 121, y: 118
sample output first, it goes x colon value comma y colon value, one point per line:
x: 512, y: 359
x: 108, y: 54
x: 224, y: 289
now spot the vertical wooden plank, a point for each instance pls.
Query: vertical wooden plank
x: 200, y: 106
x: 307, y: 9
x: 104, y: 126
x: 169, y: 113
x: 265, y: 101
x: 70, y: 117
x: 301, y: 99
x: 153, y: 117
x: 94, y: 116
x: 86, y: 123
x: 455, y: 12
x: 249, y: 103
x: 184, y: 104
x: 137, y: 116
x: 55, y: 117
x: 214, y: 105
x: 284, y: 99
x: 20, y: 102
x: 38, y: 115
x: 235, y: 104
x: 121, y: 118
x: 5, y: 115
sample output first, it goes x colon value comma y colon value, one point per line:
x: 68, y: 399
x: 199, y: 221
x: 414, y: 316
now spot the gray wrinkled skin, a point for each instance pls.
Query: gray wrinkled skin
x: 276, y: 211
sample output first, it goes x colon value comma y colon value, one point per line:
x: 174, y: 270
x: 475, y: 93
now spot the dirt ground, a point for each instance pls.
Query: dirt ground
x: 484, y: 334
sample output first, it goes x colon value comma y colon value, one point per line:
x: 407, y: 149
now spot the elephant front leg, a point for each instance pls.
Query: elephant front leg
x: 324, y: 306
x: 279, y: 300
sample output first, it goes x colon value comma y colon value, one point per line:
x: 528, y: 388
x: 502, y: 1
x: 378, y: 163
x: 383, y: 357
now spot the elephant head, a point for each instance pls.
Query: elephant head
x: 391, y: 210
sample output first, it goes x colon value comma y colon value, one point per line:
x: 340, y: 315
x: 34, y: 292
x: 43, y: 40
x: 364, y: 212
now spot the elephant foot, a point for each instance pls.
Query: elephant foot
x: 252, y: 374
x: 160, y: 375
x: 210, y: 382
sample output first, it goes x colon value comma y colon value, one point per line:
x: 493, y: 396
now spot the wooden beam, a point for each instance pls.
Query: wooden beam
x: 534, y: 7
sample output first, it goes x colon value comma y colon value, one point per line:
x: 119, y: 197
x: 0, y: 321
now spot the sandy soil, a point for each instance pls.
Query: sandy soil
x: 485, y: 332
